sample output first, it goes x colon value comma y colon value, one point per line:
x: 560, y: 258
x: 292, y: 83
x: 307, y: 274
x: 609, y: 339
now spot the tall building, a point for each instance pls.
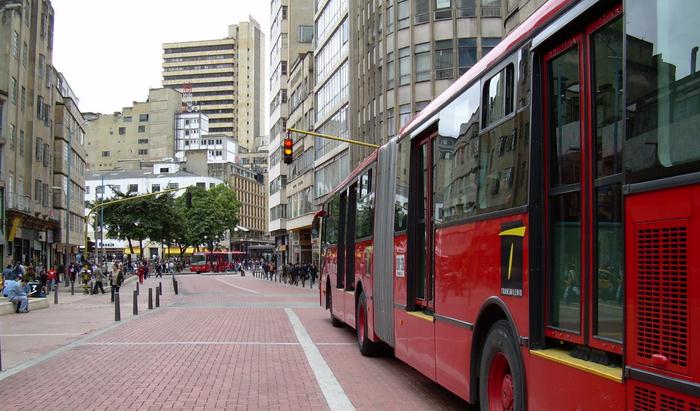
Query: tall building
x: 300, y: 174
x: 291, y: 35
x: 223, y: 78
x: 69, y: 163
x: 27, y: 87
x: 138, y: 135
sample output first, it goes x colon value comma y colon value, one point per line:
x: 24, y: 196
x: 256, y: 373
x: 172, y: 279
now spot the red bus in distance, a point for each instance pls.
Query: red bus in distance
x: 215, y: 262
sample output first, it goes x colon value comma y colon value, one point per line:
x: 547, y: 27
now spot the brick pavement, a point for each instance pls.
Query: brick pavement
x: 226, y: 344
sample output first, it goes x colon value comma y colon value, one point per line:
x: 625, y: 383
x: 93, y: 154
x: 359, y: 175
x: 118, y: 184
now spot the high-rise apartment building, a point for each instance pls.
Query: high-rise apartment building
x: 222, y: 78
x: 291, y: 35
x: 138, y: 135
x: 28, y: 90
x: 300, y: 174
x: 69, y: 162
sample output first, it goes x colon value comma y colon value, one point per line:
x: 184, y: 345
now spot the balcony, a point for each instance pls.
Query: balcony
x: 19, y: 203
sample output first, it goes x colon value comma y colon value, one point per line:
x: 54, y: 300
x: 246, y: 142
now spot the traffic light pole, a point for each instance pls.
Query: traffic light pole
x: 344, y: 140
x: 121, y: 200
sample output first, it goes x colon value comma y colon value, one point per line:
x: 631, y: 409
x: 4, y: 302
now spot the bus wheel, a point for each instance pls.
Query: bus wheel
x: 367, y: 347
x: 501, y: 377
x: 334, y: 321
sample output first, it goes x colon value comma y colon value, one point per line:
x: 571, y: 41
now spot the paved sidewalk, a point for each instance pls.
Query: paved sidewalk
x: 28, y: 336
x: 226, y: 342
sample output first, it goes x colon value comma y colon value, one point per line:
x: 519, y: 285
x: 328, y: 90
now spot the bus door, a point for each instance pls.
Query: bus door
x: 418, y: 333
x: 349, y: 295
x: 583, y: 186
x: 339, y: 290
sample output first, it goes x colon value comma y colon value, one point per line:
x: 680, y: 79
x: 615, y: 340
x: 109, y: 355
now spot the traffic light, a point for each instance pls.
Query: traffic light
x: 90, y: 246
x: 288, y: 150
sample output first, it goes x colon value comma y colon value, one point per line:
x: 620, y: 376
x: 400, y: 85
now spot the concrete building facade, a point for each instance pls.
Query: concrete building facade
x: 28, y: 90
x: 142, y: 133
x: 224, y: 78
x: 291, y: 35
x: 300, y: 177
x: 69, y: 164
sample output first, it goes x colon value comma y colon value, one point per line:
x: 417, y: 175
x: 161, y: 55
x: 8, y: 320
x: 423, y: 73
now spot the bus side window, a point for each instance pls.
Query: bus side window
x: 401, y: 198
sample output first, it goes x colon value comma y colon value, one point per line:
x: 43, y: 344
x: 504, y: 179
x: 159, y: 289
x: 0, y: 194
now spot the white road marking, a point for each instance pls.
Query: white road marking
x: 330, y: 387
x: 231, y: 285
x: 42, y: 335
x: 191, y: 343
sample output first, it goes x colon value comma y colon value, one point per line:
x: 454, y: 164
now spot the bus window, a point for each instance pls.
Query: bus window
x: 365, y: 207
x: 498, y: 96
x: 663, y: 97
x: 401, y: 199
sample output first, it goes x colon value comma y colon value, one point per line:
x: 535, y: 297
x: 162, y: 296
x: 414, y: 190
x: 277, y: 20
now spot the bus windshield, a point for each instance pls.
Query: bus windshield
x: 198, y: 259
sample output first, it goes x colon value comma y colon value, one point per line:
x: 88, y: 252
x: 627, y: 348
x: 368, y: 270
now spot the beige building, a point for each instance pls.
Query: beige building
x: 69, y: 164
x: 138, y: 135
x: 250, y: 191
x: 300, y: 174
x: 291, y: 35
x: 27, y: 84
x: 224, y: 78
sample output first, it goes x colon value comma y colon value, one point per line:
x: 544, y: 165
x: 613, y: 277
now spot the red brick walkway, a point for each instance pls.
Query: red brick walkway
x: 225, y: 342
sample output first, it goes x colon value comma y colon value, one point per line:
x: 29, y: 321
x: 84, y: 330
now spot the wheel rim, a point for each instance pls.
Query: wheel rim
x: 500, y: 384
x: 361, y: 325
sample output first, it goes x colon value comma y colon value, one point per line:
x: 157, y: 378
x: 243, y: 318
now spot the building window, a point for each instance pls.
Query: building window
x: 143, y: 151
x: 306, y: 34
x: 467, y: 54
x: 389, y: 70
x: 405, y: 66
x: 443, y: 9
x: 37, y: 190
x: 466, y: 8
x: 13, y: 90
x: 99, y: 190
x: 39, y: 145
x: 201, y: 184
x: 389, y: 17
x: 143, y: 117
x: 122, y: 131
x: 143, y: 141
x: 132, y: 188
x: 87, y: 189
x: 490, y: 8
x: 421, y: 12
x: 443, y: 59
x: 488, y: 43
x: 13, y: 132
x: 15, y: 45
x: 42, y: 64
x: 423, y: 67
x: 21, y: 142
x: 47, y: 155
x: 126, y: 119
x: 173, y: 185
x: 404, y: 114
x: 105, y: 154
x: 404, y: 14
x: 284, y: 12
x: 45, y: 195
x: 390, y: 124
x: 23, y: 98
x: 420, y: 105
x: 155, y: 188
x: 142, y: 129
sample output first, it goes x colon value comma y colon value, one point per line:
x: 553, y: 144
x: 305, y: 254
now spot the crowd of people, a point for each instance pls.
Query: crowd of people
x: 20, y: 281
x: 288, y: 273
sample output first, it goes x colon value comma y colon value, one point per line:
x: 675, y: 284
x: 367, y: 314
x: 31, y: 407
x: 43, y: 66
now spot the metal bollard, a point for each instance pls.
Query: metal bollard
x: 137, y: 288
x: 117, y: 307
x: 72, y: 289
x: 136, y: 302
x: 55, y: 295
x: 158, y: 296
x: 111, y: 299
x: 175, y: 287
x: 160, y: 288
x: 150, y: 298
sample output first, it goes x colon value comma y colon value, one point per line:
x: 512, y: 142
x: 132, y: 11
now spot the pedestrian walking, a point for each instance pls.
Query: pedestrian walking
x: 141, y: 271
x: 312, y: 274
x: 99, y: 277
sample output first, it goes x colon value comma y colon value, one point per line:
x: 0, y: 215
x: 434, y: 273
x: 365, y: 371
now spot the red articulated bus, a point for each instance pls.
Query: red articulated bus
x: 528, y: 240
x: 216, y: 262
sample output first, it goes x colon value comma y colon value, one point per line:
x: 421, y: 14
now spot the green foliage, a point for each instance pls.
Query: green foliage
x: 168, y: 220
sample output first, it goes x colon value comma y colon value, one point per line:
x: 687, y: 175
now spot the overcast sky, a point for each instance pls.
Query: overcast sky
x: 110, y: 52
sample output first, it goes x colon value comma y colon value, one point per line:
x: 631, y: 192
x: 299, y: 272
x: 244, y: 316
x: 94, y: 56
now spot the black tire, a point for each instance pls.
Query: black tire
x: 501, y: 344
x: 367, y: 347
x: 334, y: 321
